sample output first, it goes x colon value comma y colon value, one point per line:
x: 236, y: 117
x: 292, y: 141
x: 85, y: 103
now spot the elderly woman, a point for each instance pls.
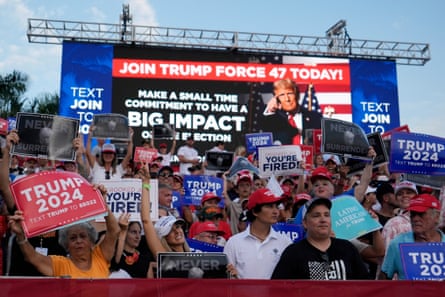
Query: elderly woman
x: 84, y: 260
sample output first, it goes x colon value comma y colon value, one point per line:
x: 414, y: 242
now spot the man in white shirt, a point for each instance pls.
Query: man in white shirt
x: 188, y: 156
x: 254, y: 252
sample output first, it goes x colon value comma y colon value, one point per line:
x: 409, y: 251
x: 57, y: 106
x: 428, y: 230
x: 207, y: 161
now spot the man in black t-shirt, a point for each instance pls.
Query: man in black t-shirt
x: 320, y: 256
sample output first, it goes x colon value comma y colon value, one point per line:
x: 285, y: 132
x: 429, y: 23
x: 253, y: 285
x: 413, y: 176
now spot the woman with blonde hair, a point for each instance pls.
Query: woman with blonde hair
x: 167, y: 234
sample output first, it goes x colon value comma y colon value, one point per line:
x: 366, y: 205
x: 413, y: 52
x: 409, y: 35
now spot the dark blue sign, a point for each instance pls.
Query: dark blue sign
x: 417, y: 154
x: 198, y: 246
x: 255, y: 140
x: 195, y: 186
x: 294, y: 232
x: 423, y: 261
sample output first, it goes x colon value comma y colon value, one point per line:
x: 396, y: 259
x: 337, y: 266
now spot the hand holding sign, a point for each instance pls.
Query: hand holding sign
x: 53, y: 199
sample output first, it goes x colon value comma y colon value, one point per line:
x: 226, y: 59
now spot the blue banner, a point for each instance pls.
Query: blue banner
x: 294, y: 232
x: 374, y: 95
x: 197, y: 246
x: 86, y: 81
x: 417, y: 154
x: 349, y: 219
x: 178, y: 201
x: 423, y: 261
x: 255, y: 140
x: 195, y: 186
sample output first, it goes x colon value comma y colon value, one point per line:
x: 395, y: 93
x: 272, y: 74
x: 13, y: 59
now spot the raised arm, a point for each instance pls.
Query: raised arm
x: 173, y: 148
x: 41, y: 262
x: 129, y: 154
x: 90, y: 158
x: 365, y: 179
x: 11, y: 138
x: 81, y: 158
x: 124, y: 220
x: 108, y: 244
x: 153, y: 241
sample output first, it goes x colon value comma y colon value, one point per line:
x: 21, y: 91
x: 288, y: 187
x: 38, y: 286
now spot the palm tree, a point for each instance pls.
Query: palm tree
x: 47, y: 103
x: 12, y: 87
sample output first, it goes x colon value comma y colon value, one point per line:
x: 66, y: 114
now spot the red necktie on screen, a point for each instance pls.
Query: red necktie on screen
x: 296, y: 139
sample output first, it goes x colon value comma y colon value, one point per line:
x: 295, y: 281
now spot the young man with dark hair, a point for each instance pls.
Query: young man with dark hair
x: 254, y: 252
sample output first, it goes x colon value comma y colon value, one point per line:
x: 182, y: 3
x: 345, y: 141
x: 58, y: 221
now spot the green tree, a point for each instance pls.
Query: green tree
x: 47, y: 103
x: 12, y: 87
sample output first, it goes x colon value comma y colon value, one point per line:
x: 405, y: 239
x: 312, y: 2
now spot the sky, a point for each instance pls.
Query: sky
x: 421, y: 88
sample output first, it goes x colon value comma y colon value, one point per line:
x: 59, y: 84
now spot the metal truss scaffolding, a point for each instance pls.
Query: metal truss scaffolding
x: 56, y: 31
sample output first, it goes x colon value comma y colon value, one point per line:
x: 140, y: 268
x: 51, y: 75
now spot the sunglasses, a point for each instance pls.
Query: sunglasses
x: 165, y: 175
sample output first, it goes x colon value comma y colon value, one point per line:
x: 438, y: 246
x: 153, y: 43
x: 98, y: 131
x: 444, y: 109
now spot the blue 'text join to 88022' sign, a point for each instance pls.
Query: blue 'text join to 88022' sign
x: 423, y: 261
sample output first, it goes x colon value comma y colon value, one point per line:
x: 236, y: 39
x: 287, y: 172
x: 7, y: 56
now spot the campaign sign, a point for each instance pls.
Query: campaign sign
x: 344, y: 138
x: 219, y: 161
x: 124, y: 196
x: 375, y: 140
x: 195, y: 186
x: 280, y: 160
x: 417, y: 154
x: 307, y: 153
x: 423, y: 261
x: 255, y: 140
x: 197, y: 246
x: 111, y: 125
x: 387, y: 134
x: 432, y: 181
x: 313, y: 137
x: 142, y: 154
x: 51, y: 200
x: 241, y: 163
x: 46, y: 136
x: 178, y: 201
x: 3, y: 127
x: 349, y: 219
x: 162, y: 131
x: 12, y: 123
x: 293, y: 231
x: 192, y: 265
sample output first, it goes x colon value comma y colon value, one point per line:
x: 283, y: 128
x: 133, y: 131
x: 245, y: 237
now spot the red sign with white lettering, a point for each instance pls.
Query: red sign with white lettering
x: 142, y: 154
x: 307, y: 152
x: 51, y: 200
x: 3, y: 127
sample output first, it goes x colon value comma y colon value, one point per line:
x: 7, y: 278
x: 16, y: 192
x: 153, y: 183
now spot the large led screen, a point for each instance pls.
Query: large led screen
x: 220, y: 95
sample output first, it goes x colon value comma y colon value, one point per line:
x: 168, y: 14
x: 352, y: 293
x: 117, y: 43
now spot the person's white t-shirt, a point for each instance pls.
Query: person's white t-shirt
x: 188, y: 153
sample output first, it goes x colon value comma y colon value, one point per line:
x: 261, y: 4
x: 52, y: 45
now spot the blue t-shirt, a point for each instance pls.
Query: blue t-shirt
x: 392, y: 263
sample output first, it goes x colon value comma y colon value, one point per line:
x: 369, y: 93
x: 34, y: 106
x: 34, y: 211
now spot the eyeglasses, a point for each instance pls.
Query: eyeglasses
x: 326, y: 262
x: 165, y: 175
x: 107, y: 175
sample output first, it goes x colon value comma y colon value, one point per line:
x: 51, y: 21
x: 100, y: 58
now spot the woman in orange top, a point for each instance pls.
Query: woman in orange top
x: 84, y: 260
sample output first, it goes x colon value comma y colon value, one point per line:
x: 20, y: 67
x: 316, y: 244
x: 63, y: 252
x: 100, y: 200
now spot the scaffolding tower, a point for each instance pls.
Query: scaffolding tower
x: 336, y: 43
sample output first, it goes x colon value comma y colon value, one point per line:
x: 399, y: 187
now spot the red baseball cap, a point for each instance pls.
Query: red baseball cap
x: 321, y: 172
x: 208, y: 226
x: 243, y: 175
x: 163, y: 145
x: 423, y: 202
x: 208, y: 196
x: 263, y: 196
x: 302, y: 196
x: 287, y: 191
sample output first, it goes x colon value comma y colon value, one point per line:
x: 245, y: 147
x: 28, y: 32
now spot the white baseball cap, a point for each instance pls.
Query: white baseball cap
x: 164, y: 225
x: 405, y: 185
